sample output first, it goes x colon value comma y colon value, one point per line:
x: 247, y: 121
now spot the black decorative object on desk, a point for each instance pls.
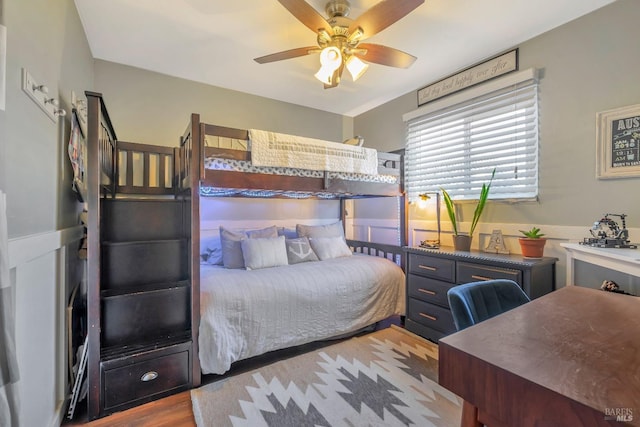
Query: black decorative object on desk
x: 607, y: 234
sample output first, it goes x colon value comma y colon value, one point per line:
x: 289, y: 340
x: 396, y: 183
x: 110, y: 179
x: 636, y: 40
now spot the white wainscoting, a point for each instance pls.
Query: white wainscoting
x: 386, y: 231
x: 40, y: 279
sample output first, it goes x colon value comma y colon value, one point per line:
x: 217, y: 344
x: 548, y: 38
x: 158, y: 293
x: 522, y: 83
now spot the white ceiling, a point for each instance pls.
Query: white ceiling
x: 214, y: 42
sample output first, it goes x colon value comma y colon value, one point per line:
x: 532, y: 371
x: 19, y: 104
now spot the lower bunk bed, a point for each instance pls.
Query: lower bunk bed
x: 246, y: 313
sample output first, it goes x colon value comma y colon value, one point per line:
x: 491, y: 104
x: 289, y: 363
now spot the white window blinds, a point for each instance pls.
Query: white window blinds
x: 458, y: 146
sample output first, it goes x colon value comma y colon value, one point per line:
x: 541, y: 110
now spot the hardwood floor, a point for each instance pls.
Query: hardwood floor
x: 172, y: 411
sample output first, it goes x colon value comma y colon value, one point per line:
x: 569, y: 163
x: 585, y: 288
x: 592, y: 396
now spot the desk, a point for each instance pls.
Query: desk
x: 568, y: 358
x: 624, y: 260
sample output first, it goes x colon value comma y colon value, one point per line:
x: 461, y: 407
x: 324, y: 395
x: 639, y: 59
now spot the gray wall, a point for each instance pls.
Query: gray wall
x: 588, y: 65
x: 47, y: 39
x: 153, y: 108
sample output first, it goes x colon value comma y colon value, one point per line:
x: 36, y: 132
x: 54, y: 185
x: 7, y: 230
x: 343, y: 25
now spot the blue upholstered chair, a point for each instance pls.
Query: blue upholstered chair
x: 472, y: 303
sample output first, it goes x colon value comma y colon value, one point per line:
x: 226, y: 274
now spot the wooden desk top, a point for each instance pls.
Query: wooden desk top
x: 577, y: 343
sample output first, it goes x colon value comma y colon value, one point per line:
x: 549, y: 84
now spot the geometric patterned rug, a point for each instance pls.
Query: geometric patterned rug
x: 385, y: 378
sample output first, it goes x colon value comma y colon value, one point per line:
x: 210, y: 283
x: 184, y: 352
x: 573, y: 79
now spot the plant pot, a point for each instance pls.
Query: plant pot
x: 532, y: 248
x: 462, y: 242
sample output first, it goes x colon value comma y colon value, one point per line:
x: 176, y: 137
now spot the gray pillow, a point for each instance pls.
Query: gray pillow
x: 299, y: 250
x: 231, y: 247
x: 264, y: 252
x: 330, y: 247
x: 327, y: 230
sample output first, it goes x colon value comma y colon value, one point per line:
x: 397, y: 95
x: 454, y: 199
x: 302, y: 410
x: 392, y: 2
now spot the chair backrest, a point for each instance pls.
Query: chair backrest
x: 472, y: 303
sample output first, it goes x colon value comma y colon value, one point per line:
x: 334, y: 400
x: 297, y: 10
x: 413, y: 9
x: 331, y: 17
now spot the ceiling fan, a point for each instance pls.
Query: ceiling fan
x: 340, y: 38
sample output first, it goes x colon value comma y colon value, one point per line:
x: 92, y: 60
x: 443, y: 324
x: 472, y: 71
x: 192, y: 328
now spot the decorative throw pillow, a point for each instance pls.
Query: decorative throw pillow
x: 211, y: 250
x: 299, y: 250
x: 231, y: 247
x: 264, y: 252
x: 327, y: 230
x: 330, y: 247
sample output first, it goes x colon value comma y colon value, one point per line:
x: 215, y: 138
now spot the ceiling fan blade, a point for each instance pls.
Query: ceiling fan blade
x: 386, y: 55
x: 287, y: 54
x: 382, y: 15
x: 307, y: 15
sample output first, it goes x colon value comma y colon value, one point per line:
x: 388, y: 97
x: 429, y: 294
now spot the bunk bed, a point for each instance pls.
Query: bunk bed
x: 225, y: 169
x: 146, y: 322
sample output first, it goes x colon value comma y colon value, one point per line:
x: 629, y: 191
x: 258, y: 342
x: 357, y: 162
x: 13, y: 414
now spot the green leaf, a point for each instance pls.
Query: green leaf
x: 484, y: 195
x: 451, y: 211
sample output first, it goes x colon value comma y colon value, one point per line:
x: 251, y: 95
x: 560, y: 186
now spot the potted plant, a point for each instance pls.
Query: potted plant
x: 532, y: 244
x: 462, y: 242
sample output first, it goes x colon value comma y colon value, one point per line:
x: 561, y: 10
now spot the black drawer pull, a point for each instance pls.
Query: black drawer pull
x: 481, y: 277
x: 426, y: 291
x: 426, y: 267
x: 428, y: 316
x: 149, y: 376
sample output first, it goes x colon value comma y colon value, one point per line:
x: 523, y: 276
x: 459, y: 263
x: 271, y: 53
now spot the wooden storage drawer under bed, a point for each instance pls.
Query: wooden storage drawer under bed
x: 128, y: 381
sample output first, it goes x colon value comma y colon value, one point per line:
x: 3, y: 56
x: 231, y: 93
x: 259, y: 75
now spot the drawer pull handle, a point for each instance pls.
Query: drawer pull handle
x: 426, y: 267
x: 481, y: 277
x: 426, y: 291
x: 149, y: 376
x: 429, y: 316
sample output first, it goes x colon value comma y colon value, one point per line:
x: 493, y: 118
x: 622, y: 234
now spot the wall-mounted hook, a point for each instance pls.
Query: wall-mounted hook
x: 40, y: 95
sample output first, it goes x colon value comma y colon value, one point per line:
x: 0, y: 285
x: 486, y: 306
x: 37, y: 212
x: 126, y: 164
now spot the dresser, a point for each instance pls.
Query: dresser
x: 432, y: 272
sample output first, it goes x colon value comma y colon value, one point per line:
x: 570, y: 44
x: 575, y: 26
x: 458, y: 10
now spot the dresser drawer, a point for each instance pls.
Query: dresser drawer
x: 428, y: 290
x: 428, y: 266
x: 432, y: 316
x: 468, y: 272
x: 144, y: 379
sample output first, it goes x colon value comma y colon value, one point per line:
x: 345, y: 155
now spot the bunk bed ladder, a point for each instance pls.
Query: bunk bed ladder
x: 141, y: 295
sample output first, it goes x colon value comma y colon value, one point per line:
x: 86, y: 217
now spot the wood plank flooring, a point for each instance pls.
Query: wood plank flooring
x: 172, y: 411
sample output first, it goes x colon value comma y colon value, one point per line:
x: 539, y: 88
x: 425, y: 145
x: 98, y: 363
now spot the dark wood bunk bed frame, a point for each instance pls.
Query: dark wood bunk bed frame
x: 143, y: 247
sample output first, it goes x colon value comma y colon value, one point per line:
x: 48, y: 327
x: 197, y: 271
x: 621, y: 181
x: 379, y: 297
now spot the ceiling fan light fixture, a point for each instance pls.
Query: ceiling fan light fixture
x: 356, y: 67
x: 324, y: 75
x: 330, y: 57
x: 330, y: 60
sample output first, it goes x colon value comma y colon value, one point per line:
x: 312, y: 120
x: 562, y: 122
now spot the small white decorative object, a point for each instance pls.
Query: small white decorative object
x: 496, y: 244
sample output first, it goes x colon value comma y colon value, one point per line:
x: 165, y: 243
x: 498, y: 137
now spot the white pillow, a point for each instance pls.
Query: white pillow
x: 264, y: 252
x: 327, y: 230
x: 330, y: 247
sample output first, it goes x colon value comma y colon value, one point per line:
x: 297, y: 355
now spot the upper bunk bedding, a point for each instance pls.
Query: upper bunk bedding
x: 239, y: 162
x: 245, y: 313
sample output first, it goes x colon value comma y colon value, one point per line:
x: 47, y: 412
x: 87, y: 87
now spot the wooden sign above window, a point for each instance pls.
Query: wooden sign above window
x: 487, y: 70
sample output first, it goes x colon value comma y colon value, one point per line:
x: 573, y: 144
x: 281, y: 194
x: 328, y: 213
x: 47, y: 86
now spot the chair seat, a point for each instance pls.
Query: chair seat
x: 474, y: 302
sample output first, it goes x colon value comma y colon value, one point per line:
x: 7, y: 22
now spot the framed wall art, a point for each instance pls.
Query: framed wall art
x: 618, y: 143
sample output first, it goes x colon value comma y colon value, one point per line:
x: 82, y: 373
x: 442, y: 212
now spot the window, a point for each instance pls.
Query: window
x: 456, y: 143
